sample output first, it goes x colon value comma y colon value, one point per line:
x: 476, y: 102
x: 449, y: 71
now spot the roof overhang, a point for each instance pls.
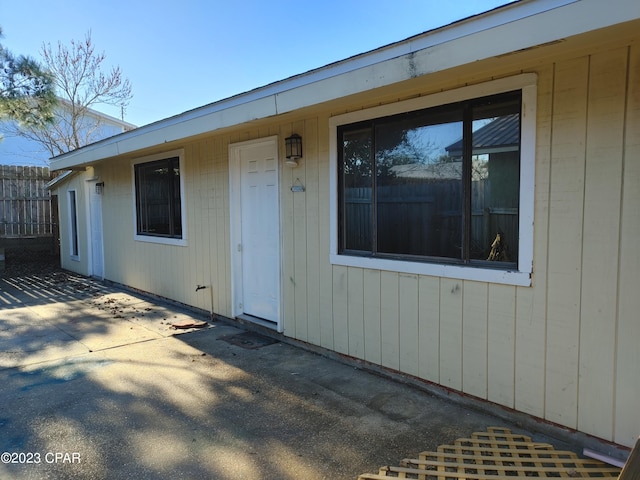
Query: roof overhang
x: 461, y: 43
x: 63, y: 177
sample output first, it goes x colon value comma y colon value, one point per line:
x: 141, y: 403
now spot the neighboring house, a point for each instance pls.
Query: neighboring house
x: 350, y: 252
x: 25, y: 204
x: 18, y: 150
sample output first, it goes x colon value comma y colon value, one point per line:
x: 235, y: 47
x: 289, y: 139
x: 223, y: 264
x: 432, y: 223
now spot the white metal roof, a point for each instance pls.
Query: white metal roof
x: 507, y: 29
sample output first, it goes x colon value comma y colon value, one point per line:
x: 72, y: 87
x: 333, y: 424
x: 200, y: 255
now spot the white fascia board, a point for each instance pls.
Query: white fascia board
x: 63, y: 177
x: 539, y: 29
x: 174, y: 128
x: 242, y: 113
x: 508, y: 29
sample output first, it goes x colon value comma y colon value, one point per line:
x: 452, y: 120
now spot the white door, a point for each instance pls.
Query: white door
x: 255, y: 215
x: 95, y: 219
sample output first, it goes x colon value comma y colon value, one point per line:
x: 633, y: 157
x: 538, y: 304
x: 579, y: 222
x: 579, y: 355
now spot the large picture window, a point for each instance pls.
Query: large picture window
x: 158, y: 200
x: 439, y: 184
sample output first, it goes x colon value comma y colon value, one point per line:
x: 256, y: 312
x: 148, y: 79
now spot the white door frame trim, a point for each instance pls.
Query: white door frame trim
x: 90, y: 185
x: 235, y: 228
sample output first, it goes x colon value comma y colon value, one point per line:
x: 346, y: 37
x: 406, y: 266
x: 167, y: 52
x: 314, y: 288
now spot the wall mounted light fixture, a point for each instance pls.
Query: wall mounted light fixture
x: 293, y: 148
x: 99, y: 188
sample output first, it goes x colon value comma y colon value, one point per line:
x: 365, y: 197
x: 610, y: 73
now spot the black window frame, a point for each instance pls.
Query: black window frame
x: 73, y: 210
x: 174, y: 222
x: 466, y: 106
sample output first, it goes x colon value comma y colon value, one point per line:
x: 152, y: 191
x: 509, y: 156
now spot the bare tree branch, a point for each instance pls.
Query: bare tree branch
x: 81, y: 83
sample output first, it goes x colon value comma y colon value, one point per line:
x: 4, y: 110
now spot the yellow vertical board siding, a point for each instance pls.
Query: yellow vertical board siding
x: 314, y: 250
x: 222, y: 252
x: 325, y: 270
x: 474, y: 339
x: 530, y: 341
x: 121, y: 262
x: 355, y: 312
x: 192, y: 271
x: 627, y: 382
x: 63, y: 207
x: 565, y: 241
x: 299, y: 220
x: 110, y: 203
x: 216, y: 243
x: 340, y: 309
x: 217, y: 187
x: 603, y: 178
x: 501, y: 344
x: 209, y: 258
x: 372, y: 319
x: 207, y: 192
x: 389, y: 311
x: 125, y: 243
x: 429, y: 328
x: 174, y: 269
x: 408, y: 324
x: 451, y: 295
x: 203, y: 276
x: 82, y: 202
x: 166, y: 255
x: 532, y: 348
x: 79, y: 265
x: 166, y: 270
x: 299, y: 200
x: 288, y: 247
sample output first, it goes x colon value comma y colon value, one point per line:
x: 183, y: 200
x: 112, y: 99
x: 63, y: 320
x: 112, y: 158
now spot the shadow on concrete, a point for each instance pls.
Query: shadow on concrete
x: 196, y: 405
x: 38, y: 288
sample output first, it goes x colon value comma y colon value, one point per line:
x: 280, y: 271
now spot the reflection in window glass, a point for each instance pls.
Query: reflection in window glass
x: 439, y: 184
x: 418, y: 190
x: 495, y: 188
x: 73, y: 210
x: 158, y: 201
x: 358, y: 180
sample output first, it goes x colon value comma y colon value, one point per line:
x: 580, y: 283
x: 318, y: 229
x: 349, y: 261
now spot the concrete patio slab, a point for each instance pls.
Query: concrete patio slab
x: 26, y: 338
x: 150, y: 315
x: 98, y: 386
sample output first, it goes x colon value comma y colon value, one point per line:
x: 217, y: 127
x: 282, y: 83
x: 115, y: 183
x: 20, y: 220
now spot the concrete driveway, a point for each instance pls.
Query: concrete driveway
x: 97, y: 384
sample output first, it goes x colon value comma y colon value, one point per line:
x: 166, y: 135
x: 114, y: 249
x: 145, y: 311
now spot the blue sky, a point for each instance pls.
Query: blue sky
x: 182, y: 54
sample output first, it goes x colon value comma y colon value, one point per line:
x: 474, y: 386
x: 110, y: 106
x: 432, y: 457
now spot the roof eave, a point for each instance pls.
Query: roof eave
x: 441, y: 49
x: 63, y: 177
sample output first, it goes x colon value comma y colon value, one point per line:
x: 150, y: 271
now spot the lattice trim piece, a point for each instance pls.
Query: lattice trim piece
x: 495, y: 455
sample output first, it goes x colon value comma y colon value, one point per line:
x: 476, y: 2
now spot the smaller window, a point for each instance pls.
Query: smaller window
x: 158, y: 198
x: 73, y: 225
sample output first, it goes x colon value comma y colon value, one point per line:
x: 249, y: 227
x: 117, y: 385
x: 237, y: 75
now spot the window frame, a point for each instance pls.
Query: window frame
x: 74, y: 237
x: 527, y: 84
x: 162, y: 239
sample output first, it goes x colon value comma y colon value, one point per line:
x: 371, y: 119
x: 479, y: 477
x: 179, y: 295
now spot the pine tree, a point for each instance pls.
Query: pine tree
x: 26, y: 90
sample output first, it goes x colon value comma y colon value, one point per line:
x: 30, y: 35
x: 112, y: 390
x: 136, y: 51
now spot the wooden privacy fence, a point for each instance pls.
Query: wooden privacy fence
x: 25, y: 203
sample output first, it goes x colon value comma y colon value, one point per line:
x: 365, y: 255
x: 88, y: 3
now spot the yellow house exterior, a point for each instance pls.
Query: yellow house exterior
x: 557, y: 337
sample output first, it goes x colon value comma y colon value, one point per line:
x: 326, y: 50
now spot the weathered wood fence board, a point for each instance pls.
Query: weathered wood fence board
x: 25, y: 203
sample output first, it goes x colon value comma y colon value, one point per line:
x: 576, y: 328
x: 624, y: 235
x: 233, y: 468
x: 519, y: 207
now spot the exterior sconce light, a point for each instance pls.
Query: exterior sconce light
x: 99, y: 188
x: 293, y: 147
